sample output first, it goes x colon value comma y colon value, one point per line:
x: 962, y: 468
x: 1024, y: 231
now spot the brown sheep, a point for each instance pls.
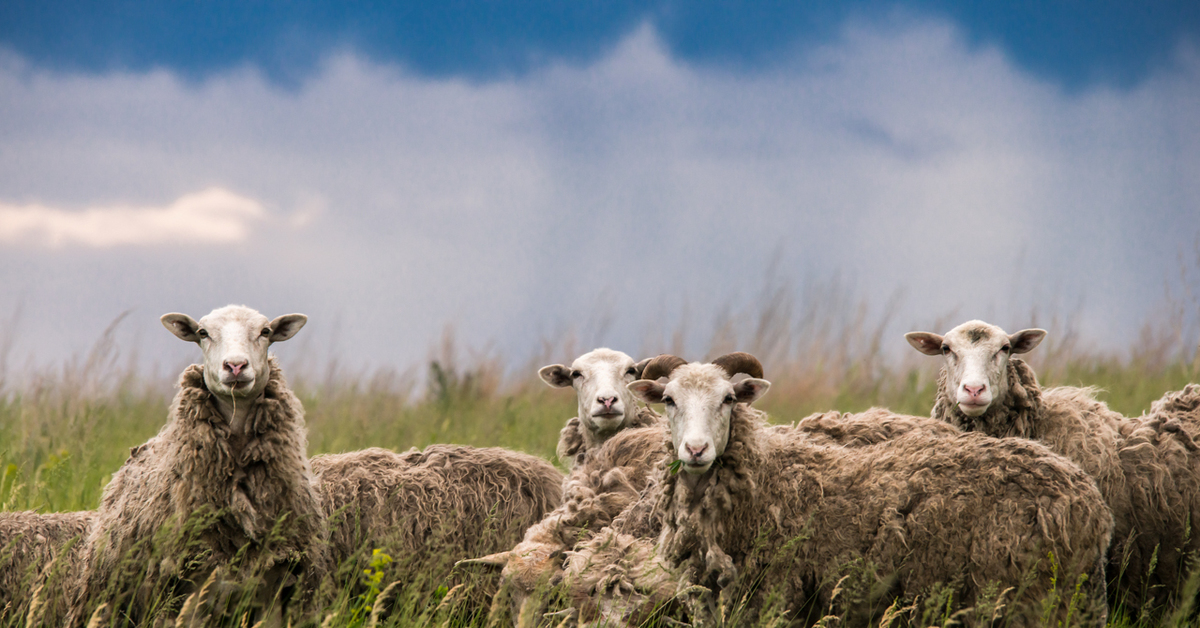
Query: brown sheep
x: 426, y: 509
x: 1147, y: 467
x: 224, y: 488
x: 772, y: 521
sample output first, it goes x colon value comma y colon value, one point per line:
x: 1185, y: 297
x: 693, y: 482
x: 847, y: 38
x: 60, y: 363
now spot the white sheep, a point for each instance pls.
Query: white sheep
x: 612, y: 447
x: 606, y: 406
x: 1147, y: 468
x: 224, y: 489
x: 766, y: 516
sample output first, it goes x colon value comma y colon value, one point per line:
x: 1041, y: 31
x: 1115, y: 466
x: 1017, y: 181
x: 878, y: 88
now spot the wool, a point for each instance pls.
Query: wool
x: 30, y: 542
x: 871, y: 427
x: 427, y: 509
x: 198, y: 496
x: 781, y: 515
x: 575, y: 440
x: 1147, y: 468
x: 604, y: 482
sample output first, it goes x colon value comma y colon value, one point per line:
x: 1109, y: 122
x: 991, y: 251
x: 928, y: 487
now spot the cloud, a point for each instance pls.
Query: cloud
x: 213, y: 216
x: 637, y: 191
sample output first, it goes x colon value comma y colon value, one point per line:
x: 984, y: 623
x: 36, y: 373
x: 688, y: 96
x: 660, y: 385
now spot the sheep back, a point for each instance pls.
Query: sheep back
x: 29, y: 543
x: 427, y: 509
x: 871, y: 427
x: 1155, y: 544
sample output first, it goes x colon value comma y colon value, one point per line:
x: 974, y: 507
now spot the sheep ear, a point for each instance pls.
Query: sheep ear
x: 286, y: 326
x: 750, y: 389
x: 647, y: 390
x: 555, y: 375
x: 640, y: 367
x: 1025, y: 340
x: 182, y: 325
x: 499, y: 559
x: 926, y: 342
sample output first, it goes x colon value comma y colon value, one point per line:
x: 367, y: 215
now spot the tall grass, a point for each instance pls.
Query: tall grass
x: 64, y: 431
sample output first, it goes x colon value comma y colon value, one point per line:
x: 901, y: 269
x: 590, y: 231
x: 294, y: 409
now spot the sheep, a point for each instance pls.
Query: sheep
x: 764, y: 516
x: 1147, y: 468
x: 224, y: 492
x: 610, y: 446
x: 605, y: 405
x: 424, y: 508
x: 30, y: 542
x: 618, y: 577
x: 876, y: 425
x: 603, y: 483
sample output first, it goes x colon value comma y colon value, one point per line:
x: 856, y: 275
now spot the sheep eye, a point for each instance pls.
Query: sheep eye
x: 631, y: 371
x: 203, y: 333
x: 945, y: 349
x: 728, y: 399
x: 669, y: 401
x: 576, y: 374
x: 1006, y: 348
x: 266, y: 331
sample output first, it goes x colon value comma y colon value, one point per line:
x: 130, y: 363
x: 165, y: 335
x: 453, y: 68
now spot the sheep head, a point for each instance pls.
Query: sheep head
x: 976, y: 358
x: 599, y: 378
x: 234, y: 340
x: 699, y: 400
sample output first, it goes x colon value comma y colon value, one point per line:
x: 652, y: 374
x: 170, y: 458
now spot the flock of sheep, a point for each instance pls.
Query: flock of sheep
x: 1009, y: 505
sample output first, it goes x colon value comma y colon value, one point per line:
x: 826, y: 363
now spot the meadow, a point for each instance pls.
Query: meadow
x: 64, y: 431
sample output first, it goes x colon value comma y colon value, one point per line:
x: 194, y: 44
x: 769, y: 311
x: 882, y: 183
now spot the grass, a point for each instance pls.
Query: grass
x: 64, y: 432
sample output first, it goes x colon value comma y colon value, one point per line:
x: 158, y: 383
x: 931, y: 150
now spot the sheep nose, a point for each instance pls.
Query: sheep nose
x: 235, y: 367
x: 696, y: 452
x: 975, y: 391
x: 607, y: 401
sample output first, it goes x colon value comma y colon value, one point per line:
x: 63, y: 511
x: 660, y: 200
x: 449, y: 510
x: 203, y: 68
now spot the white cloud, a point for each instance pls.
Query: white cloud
x: 213, y: 216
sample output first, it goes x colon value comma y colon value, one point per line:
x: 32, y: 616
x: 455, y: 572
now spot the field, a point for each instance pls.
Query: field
x: 64, y: 432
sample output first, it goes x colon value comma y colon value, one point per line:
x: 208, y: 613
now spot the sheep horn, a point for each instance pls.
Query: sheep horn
x: 740, y: 362
x: 662, y: 366
x: 498, y: 559
x: 640, y: 367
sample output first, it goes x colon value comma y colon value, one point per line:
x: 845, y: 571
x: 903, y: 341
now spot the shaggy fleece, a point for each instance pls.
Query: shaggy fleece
x: 872, y: 427
x: 1147, y: 468
x: 30, y: 542
x: 605, y: 481
x: 782, y: 521
x: 198, y: 497
x: 428, y: 509
x: 575, y: 440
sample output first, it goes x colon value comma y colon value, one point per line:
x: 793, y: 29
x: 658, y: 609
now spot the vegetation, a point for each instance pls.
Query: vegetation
x: 63, y: 433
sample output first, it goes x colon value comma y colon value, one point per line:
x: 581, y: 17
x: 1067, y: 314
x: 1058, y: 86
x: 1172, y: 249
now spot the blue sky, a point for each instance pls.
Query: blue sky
x: 610, y: 171
x: 1074, y: 43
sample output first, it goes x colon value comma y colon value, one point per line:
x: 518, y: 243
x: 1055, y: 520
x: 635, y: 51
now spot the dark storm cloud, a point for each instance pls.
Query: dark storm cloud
x: 1073, y: 43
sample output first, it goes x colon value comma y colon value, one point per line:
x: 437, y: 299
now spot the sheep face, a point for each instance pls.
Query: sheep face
x: 234, y: 340
x: 600, y: 379
x: 976, y: 360
x: 699, y: 400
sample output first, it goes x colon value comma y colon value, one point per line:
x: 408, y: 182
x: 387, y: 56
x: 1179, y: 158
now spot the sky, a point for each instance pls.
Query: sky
x: 610, y: 172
